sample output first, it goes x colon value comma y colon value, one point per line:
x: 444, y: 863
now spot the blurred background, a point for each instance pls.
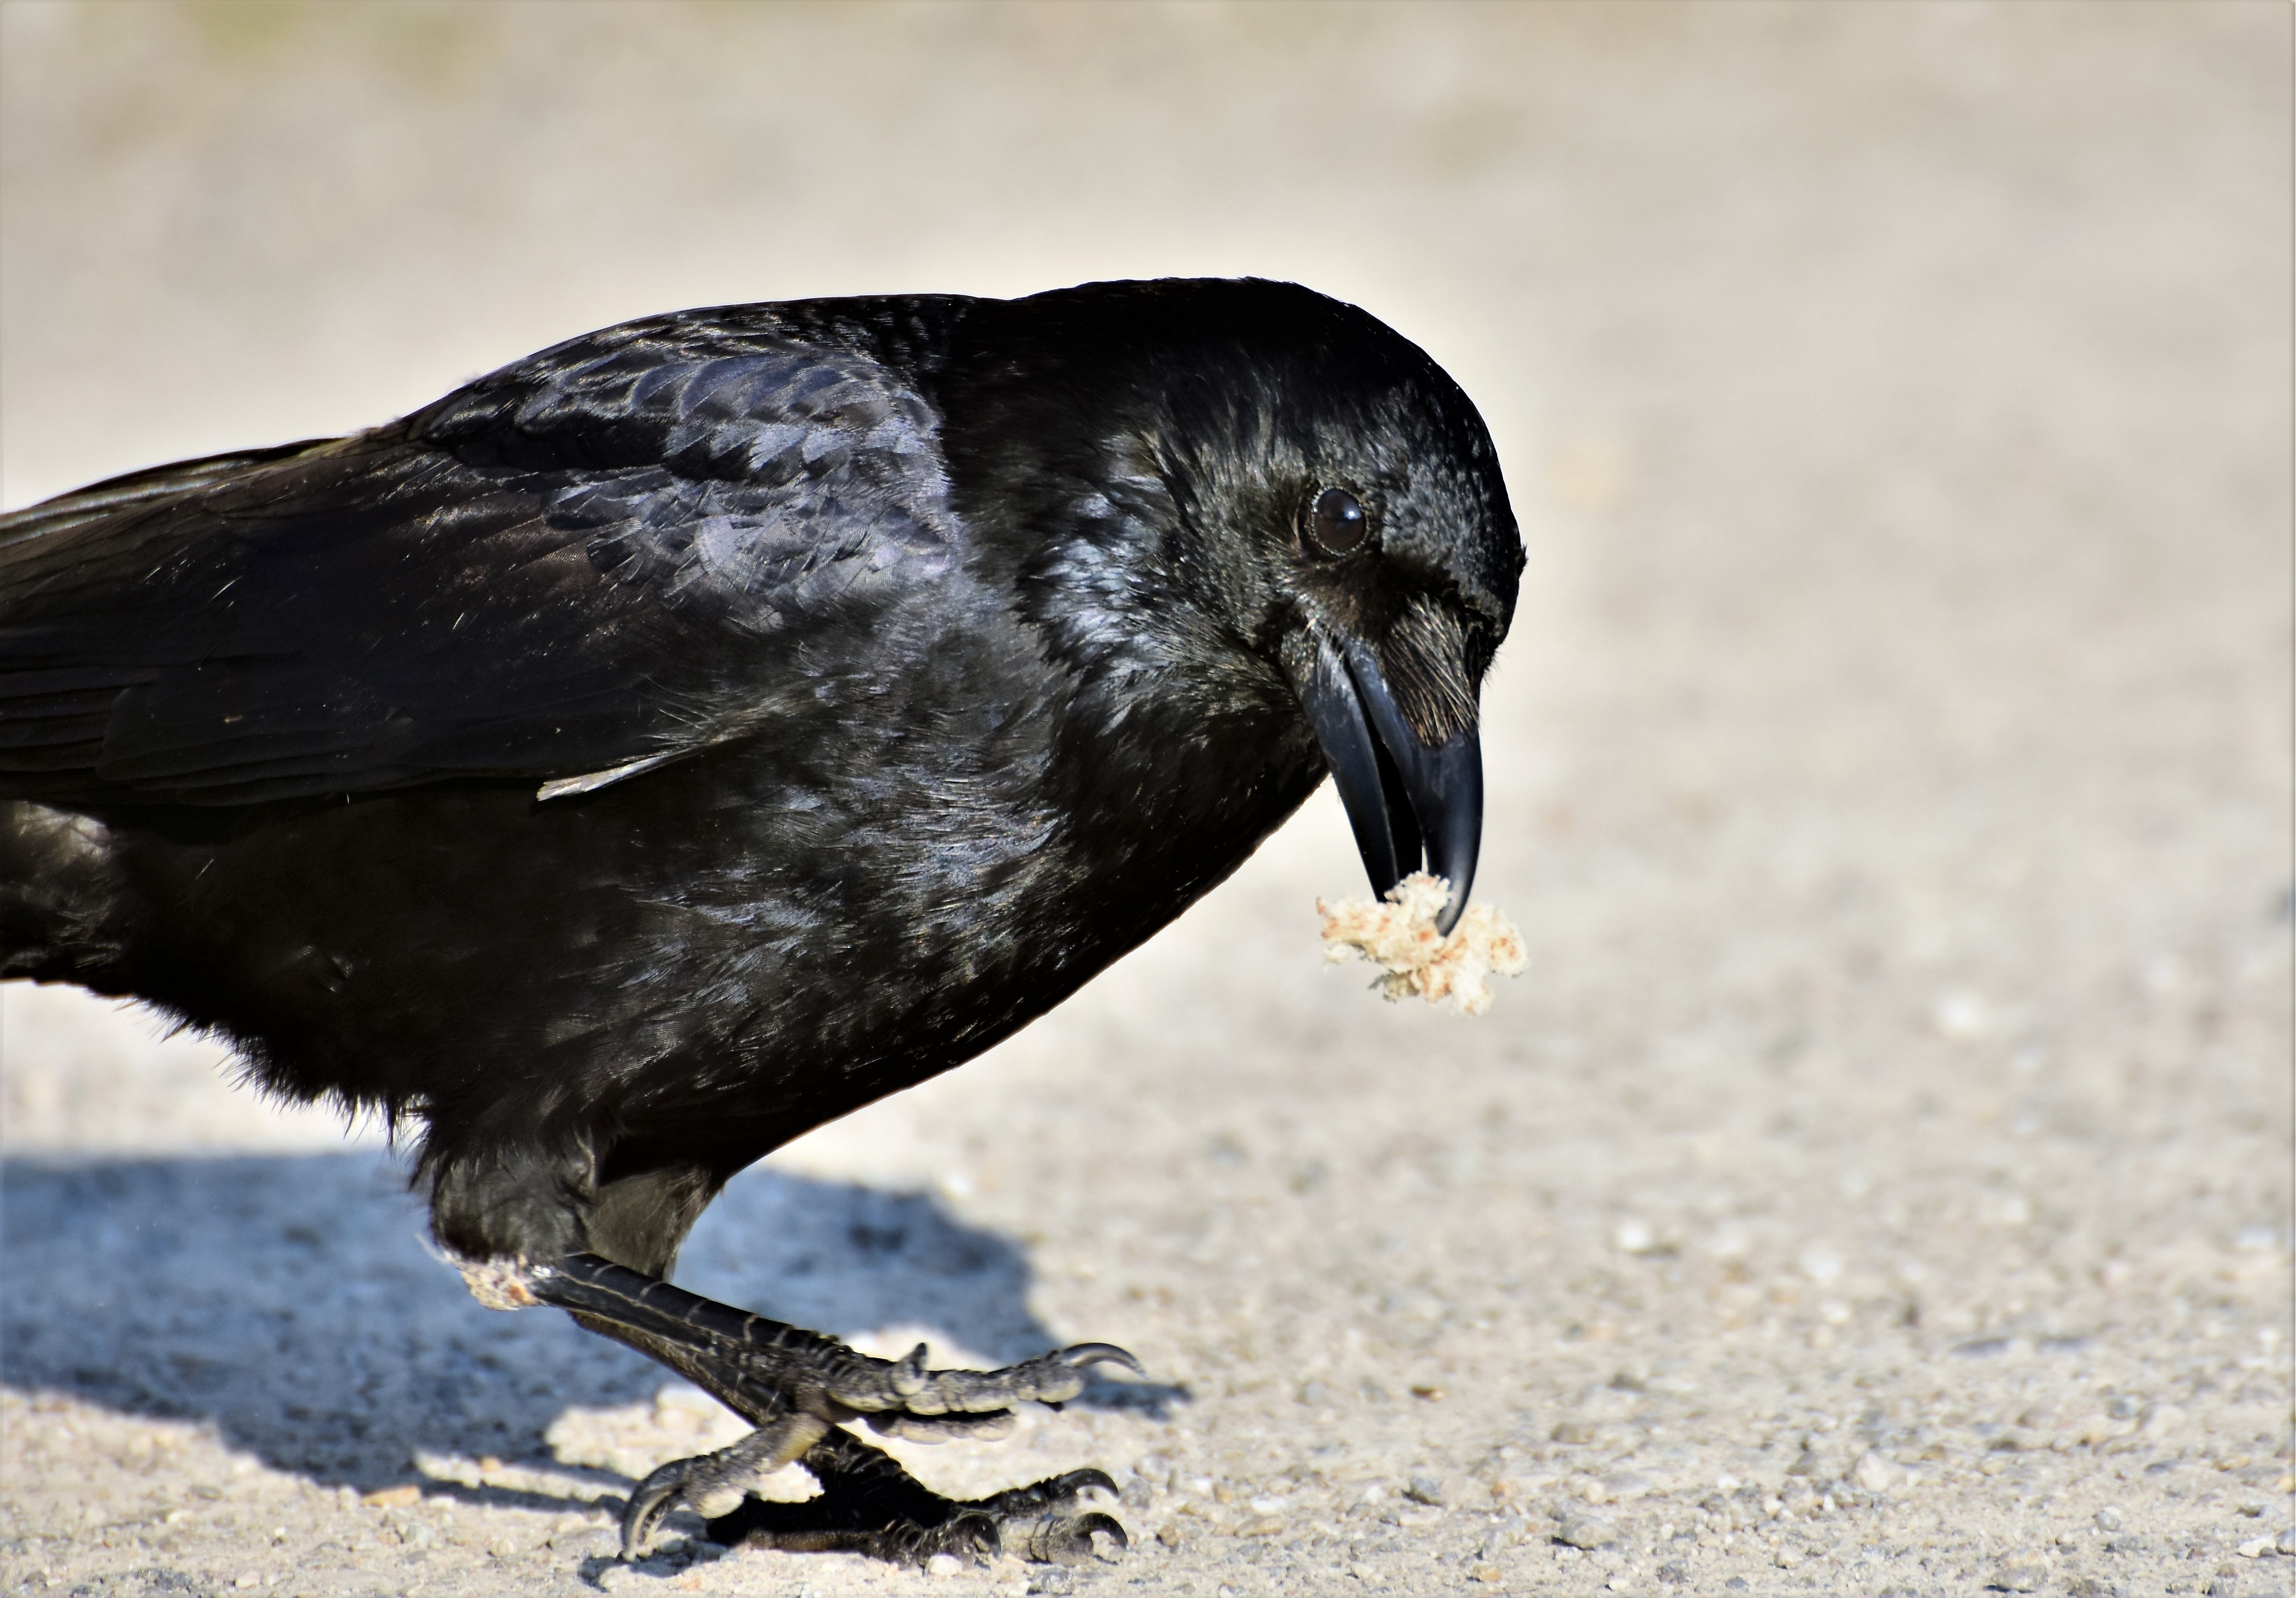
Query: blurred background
x: 1890, y: 768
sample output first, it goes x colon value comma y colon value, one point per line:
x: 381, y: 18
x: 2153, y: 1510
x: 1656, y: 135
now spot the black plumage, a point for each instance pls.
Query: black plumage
x: 708, y: 726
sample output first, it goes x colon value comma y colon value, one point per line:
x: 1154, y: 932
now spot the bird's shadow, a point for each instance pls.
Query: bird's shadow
x: 291, y: 1301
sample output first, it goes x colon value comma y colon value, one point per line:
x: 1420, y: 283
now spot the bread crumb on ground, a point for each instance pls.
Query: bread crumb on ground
x: 1399, y: 935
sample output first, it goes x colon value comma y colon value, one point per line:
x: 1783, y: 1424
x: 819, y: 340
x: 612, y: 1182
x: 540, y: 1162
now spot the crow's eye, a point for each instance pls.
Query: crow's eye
x: 1336, y: 523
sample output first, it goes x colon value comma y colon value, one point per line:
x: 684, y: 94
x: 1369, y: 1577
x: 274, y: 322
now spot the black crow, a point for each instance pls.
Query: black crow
x: 707, y: 726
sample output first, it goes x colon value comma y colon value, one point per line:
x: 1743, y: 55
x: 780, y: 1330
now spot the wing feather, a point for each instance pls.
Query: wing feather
x: 595, y: 561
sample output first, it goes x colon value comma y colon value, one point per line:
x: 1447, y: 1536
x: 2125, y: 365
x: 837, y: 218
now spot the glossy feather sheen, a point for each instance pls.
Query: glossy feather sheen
x: 950, y: 646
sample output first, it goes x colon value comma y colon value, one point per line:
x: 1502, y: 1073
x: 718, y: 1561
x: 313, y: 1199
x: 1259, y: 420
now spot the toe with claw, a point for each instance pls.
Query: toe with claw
x: 875, y: 1386
x: 1069, y: 1539
x: 1049, y: 1530
x: 714, y: 1484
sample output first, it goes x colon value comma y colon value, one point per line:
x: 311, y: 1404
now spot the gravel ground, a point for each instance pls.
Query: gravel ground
x: 1880, y: 1183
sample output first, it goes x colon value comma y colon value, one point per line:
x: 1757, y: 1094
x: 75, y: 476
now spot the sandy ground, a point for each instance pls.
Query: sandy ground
x: 1880, y: 1183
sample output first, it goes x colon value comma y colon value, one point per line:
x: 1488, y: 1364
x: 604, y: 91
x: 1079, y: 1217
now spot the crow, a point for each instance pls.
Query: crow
x: 708, y: 726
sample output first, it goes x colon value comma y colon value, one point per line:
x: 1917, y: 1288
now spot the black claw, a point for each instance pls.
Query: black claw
x: 1097, y: 1524
x: 907, y: 1376
x: 1084, y: 1354
x: 647, y: 1504
x: 1077, y: 1483
x: 1067, y: 1540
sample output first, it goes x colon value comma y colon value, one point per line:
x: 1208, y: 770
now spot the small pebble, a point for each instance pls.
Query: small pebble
x: 2108, y: 1520
x: 1424, y: 1489
x: 943, y: 1564
x: 1586, y: 1531
x: 2022, y: 1573
x: 1875, y: 1473
x: 2285, y: 1543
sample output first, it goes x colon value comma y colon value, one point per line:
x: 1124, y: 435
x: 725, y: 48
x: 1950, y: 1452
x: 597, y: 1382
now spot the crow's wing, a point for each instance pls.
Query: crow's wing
x: 601, y: 558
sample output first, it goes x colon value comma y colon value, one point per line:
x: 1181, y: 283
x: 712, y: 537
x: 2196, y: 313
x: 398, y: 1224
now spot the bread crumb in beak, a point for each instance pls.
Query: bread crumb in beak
x: 1400, y: 936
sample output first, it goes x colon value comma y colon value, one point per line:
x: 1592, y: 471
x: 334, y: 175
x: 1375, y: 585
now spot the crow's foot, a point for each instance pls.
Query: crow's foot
x: 764, y: 1370
x: 798, y: 1388
x: 868, y: 1504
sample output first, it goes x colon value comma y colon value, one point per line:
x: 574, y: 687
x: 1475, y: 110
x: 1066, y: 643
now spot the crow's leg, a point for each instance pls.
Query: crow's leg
x: 758, y: 1364
x: 868, y: 1504
x: 796, y: 1386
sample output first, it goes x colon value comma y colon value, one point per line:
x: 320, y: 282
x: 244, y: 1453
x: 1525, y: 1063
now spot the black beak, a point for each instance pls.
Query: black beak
x: 1407, y: 798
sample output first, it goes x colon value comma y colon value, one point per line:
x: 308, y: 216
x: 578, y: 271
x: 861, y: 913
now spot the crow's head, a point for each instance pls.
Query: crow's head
x: 1261, y: 495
